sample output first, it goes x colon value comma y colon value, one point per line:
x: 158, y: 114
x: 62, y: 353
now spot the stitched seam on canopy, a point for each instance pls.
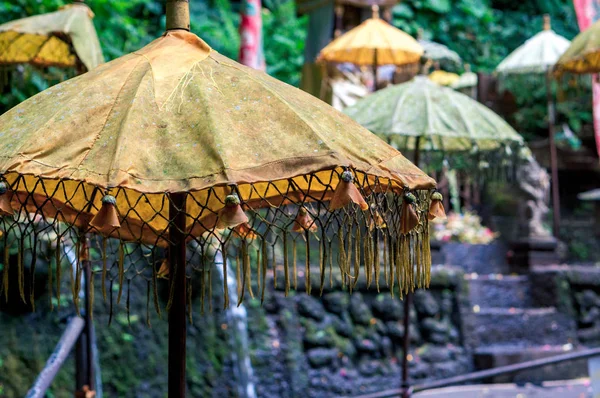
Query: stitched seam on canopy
x: 305, y: 122
x: 104, y: 124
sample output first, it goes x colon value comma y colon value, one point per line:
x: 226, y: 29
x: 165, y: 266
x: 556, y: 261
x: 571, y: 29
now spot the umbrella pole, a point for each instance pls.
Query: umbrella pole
x: 375, y: 70
x: 177, y: 312
x: 407, y: 302
x: 553, y: 158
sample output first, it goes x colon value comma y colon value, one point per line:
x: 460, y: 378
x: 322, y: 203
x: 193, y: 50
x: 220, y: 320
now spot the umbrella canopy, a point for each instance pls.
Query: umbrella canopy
x: 444, y: 119
x: 583, y: 55
x: 374, y: 42
x: 60, y: 38
x: 146, y: 125
x: 443, y: 78
x: 437, y: 52
x: 537, y: 55
x: 466, y: 80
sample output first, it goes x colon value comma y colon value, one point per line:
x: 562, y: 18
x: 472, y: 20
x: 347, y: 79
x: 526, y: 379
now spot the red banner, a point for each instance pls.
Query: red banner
x: 251, y: 52
x: 588, y: 12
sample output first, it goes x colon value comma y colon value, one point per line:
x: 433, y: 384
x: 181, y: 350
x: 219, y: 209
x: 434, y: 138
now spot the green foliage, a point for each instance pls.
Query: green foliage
x: 483, y: 32
x: 124, y: 26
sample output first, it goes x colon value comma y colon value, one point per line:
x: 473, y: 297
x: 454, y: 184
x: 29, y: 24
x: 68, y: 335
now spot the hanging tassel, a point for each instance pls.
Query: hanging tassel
x: 295, y: 264
x: 304, y: 222
x: 258, y: 270
x: 122, y: 274
x: 105, y: 268
x: 6, y: 268
x: 225, y: 284
x: 21, y: 270
x: 265, y: 254
x: 164, y: 270
x: 106, y: 220
x: 436, y: 207
x: 342, y: 256
x: 274, y: 264
x: 155, y: 286
x: 148, y: 305
x: 58, y: 272
x: 322, y: 262
x: 307, y: 281
x: 248, y: 270
x: 286, y: 271
x: 232, y: 214
x: 377, y: 220
x: 408, y: 216
x: 5, y: 197
x: 346, y: 193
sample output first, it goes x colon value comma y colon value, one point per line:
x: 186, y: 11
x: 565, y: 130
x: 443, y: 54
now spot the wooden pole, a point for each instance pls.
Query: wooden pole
x: 553, y: 158
x: 57, y: 359
x: 407, y: 302
x: 177, y: 312
x: 178, y: 14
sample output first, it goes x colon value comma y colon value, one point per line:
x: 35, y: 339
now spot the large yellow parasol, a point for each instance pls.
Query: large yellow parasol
x: 176, y: 146
x: 583, y: 55
x: 64, y: 38
x: 374, y: 42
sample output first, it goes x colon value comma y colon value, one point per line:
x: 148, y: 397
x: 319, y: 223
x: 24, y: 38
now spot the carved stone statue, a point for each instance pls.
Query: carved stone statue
x: 534, y: 184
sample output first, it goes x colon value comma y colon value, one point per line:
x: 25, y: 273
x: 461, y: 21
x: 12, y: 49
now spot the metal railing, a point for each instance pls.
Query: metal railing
x: 486, y: 374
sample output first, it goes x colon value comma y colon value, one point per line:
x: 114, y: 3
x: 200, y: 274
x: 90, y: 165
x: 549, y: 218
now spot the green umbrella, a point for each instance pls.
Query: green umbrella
x: 437, y: 52
x: 421, y: 114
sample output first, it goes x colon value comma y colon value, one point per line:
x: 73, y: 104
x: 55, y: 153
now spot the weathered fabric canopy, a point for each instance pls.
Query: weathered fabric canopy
x: 444, y: 119
x: 537, y: 55
x: 583, y: 55
x: 374, y: 42
x: 55, y: 39
x: 105, y: 152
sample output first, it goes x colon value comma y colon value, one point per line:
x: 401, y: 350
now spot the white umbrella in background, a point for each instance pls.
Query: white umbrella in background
x: 538, y: 55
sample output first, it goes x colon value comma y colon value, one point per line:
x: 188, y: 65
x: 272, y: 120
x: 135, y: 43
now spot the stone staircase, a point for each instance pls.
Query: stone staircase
x: 505, y: 325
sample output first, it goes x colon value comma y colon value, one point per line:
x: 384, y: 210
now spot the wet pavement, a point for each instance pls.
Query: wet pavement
x: 569, y: 389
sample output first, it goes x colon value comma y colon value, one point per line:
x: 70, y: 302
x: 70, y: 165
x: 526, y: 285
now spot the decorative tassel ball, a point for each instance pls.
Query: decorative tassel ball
x: 245, y: 231
x: 346, y: 193
x: 408, y: 218
x: 304, y: 222
x: 232, y: 214
x: 5, y: 205
x: 436, y: 208
x: 107, y: 219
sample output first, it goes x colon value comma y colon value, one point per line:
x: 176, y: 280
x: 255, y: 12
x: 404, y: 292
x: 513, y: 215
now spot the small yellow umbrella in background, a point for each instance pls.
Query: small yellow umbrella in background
x: 443, y: 78
x: 583, y: 55
x: 65, y: 38
x: 373, y: 43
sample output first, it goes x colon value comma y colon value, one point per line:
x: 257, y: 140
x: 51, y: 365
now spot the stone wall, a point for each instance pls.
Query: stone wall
x: 300, y: 345
x: 346, y: 344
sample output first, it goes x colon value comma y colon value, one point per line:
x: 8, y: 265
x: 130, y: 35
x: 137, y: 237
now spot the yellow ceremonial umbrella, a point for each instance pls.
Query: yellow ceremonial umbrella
x: 64, y: 38
x: 583, y: 55
x: 373, y: 43
x: 443, y: 78
x: 177, y: 147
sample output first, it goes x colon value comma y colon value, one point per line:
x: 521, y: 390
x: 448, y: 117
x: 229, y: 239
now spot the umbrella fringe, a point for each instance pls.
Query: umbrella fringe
x: 361, y: 240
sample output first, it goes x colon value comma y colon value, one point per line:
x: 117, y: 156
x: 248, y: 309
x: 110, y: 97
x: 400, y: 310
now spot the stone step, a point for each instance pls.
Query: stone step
x: 502, y: 355
x: 500, y: 291
x: 518, y: 326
